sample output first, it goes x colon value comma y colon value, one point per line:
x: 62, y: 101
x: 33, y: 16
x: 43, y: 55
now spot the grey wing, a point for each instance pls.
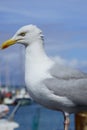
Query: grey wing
x: 69, y: 83
x: 65, y: 72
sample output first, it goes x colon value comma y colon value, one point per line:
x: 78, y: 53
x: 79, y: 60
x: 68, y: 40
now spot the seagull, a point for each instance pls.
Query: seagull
x: 50, y: 84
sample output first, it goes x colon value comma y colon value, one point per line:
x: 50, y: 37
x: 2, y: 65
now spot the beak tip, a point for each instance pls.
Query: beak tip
x: 1, y: 48
x: 7, y: 43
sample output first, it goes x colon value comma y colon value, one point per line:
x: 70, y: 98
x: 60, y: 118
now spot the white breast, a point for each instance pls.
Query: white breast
x: 36, y: 69
x: 36, y: 73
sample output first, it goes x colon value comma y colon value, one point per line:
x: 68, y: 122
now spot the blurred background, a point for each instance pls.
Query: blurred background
x: 64, y: 25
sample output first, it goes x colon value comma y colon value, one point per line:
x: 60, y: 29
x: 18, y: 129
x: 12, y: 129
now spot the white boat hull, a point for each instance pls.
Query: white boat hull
x: 8, y: 125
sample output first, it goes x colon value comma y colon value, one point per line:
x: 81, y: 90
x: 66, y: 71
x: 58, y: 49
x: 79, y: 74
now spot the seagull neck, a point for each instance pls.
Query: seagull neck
x: 36, y: 50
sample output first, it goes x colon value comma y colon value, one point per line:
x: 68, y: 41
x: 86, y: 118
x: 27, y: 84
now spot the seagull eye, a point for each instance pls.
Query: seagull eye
x: 22, y: 34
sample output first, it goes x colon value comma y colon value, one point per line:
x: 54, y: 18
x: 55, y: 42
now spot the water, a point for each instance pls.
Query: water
x: 36, y: 117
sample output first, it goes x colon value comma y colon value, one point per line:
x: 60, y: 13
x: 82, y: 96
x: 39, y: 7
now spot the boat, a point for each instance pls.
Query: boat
x: 23, y: 100
x: 23, y: 97
x: 4, y: 109
x: 8, y: 125
x: 8, y: 98
x: 9, y: 101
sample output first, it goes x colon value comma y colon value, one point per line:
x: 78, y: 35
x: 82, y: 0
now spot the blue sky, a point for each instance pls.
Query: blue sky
x: 64, y: 25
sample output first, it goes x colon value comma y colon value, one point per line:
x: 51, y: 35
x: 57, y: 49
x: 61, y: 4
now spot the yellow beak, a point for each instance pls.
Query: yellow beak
x: 8, y: 43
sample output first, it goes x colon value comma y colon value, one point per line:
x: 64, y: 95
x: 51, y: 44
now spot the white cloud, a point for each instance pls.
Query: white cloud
x: 74, y: 63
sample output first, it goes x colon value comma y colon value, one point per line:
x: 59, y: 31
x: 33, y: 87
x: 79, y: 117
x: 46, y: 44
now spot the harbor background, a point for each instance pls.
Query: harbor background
x: 36, y: 117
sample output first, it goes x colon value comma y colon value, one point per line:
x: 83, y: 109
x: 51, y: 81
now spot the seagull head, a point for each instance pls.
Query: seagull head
x: 26, y: 35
